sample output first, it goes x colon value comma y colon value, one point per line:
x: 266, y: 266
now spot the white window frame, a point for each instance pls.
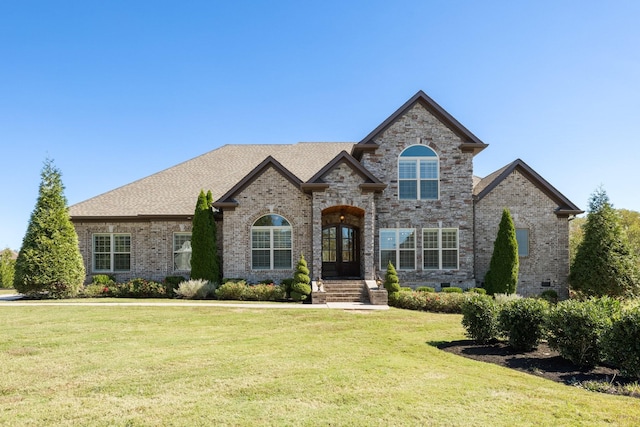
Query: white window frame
x: 112, y: 252
x: 527, y: 246
x: 440, y: 248
x: 180, y: 250
x: 397, y: 249
x: 418, y: 179
x: 272, y: 249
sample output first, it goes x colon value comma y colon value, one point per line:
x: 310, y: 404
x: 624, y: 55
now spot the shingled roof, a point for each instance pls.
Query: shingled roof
x: 173, y: 191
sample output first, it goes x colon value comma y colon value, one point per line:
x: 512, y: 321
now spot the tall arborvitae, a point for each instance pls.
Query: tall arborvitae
x: 214, y: 233
x: 202, y: 242
x: 604, y: 263
x: 502, y: 277
x: 49, y: 261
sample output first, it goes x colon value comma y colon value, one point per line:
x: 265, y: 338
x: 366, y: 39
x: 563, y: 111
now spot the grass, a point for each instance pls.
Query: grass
x: 135, y: 366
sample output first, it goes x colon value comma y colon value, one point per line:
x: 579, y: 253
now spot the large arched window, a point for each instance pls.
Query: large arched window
x: 418, y: 174
x: 271, y: 243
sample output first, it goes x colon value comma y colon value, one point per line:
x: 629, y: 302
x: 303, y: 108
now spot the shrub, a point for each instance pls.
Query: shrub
x: 94, y: 290
x: 196, y: 289
x: 550, y: 295
x: 264, y: 292
x: 428, y: 301
x: 621, y: 343
x: 452, y: 290
x: 286, y: 285
x: 391, y: 281
x: 171, y: 284
x: 301, y: 275
x: 575, y: 329
x: 139, y: 288
x: 300, y: 291
x: 425, y: 289
x: 480, y: 318
x: 405, y: 289
x: 506, y: 298
x: 481, y: 291
x: 522, y: 321
x: 103, y: 279
x: 232, y: 291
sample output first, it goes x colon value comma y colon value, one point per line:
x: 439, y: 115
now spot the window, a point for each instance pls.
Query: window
x: 398, y: 245
x: 522, y: 236
x: 440, y: 248
x: 182, y: 251
x: 111, y: 252
x: 418, y: 174
x: 271, y: 243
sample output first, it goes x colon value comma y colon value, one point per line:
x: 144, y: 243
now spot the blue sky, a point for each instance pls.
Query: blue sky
x: 115, y: 91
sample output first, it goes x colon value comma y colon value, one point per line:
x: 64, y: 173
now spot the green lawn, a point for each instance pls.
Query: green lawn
x: 129, y: 365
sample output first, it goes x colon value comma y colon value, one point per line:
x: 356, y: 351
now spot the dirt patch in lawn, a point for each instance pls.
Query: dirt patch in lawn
x: 543, y: 362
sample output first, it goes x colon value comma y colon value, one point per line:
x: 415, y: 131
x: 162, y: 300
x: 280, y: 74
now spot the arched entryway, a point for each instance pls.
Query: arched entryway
x: 341, y: 242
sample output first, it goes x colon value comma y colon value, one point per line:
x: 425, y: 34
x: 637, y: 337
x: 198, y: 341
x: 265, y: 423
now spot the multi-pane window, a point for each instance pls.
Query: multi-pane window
x: 182, y: 251
x: 522, y: 237
x: 440, y: 248
x: 398, y: 245
x: 271, y: 243
x: 418, y: 174
x: 111, y: 252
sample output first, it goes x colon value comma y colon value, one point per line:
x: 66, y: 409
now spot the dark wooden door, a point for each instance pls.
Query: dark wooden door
x: 340, y: 251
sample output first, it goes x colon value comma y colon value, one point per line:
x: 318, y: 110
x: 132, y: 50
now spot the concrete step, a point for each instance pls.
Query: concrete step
x: 345, y: 291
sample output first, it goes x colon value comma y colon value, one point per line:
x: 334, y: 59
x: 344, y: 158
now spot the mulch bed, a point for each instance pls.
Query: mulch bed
x: 543, y: 362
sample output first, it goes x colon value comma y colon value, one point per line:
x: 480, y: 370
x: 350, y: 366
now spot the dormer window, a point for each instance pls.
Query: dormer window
x: 418, y: 174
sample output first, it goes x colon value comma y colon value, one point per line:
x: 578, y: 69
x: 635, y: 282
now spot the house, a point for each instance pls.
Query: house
x: 406, y: 194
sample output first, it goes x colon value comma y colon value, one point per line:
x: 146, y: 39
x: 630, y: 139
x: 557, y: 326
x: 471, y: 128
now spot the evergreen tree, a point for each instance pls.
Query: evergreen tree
x: 502, y: 277
x: 604, y: 263
x: 391, y: 281
x: 301, y: 287
x: 203, y: 246
x: 50, y: 260
x: 7, y: 268
x: 214, y: 233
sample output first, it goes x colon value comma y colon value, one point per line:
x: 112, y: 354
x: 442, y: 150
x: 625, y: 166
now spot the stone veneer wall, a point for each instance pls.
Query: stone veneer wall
x: 269, y: 193
x: 453, y: 209
x: 548, y: 259
x: 344, y: 191
x: 151, y: 246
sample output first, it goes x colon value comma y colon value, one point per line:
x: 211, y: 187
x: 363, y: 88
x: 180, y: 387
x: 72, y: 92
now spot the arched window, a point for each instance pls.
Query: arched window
x: 271, y: 243
x: 418, y: 174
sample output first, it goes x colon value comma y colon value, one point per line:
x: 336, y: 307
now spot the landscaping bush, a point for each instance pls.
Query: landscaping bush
x: 550, y: 296
x: 522, y: 321
x: 300, y: 291
x: 621, y: 343
x: 138, y: 288
x: 264, y: 292
x: 171, y: 284
x: 94, y: 290
x: 196, y: 289
x: 232, y: 291
x: 428, y: 301
x: 391, y: 282
x: 480, y: 318
x: 575, y: 329
x: 286, y: 285
x: 481, y: 291
x: 506, y: 298
x: 425, y: 289
x: 452, y: 290
x: 102, y: 279
x: 406, y: 289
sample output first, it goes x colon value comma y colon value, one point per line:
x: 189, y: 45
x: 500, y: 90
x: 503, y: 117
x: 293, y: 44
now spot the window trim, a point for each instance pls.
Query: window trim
x: 440, y: 248
x: 112, y: 252
x: 418, y: 179
x: 272, y: 250
x: 397, y: 249
x: 174, y: 251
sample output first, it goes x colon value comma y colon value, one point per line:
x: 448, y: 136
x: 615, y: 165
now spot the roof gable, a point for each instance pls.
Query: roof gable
x: 487, y: 184
x: 471, y: 142
x: 226, y: 200
x: 370, y: 183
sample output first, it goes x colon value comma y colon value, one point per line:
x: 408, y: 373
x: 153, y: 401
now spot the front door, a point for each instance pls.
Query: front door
x: 340, y: 251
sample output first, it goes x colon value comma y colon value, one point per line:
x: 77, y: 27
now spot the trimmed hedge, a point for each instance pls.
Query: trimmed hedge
x: 480, y: 318
x: 621, y: 343
x: 523, y: 321
x: 428, y: 301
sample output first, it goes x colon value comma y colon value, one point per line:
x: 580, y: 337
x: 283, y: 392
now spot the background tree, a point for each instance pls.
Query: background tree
x: 7, y: 268
x: 50, y: 260
x: 604, y: 263
x: 203, y: 247
x: 502, y: 277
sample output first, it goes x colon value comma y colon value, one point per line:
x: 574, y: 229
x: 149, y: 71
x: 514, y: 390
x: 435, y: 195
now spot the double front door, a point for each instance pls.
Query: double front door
x: 340, y: 251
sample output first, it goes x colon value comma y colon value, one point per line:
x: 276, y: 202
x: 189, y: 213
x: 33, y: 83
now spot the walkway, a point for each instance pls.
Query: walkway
x: 13, y: 300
